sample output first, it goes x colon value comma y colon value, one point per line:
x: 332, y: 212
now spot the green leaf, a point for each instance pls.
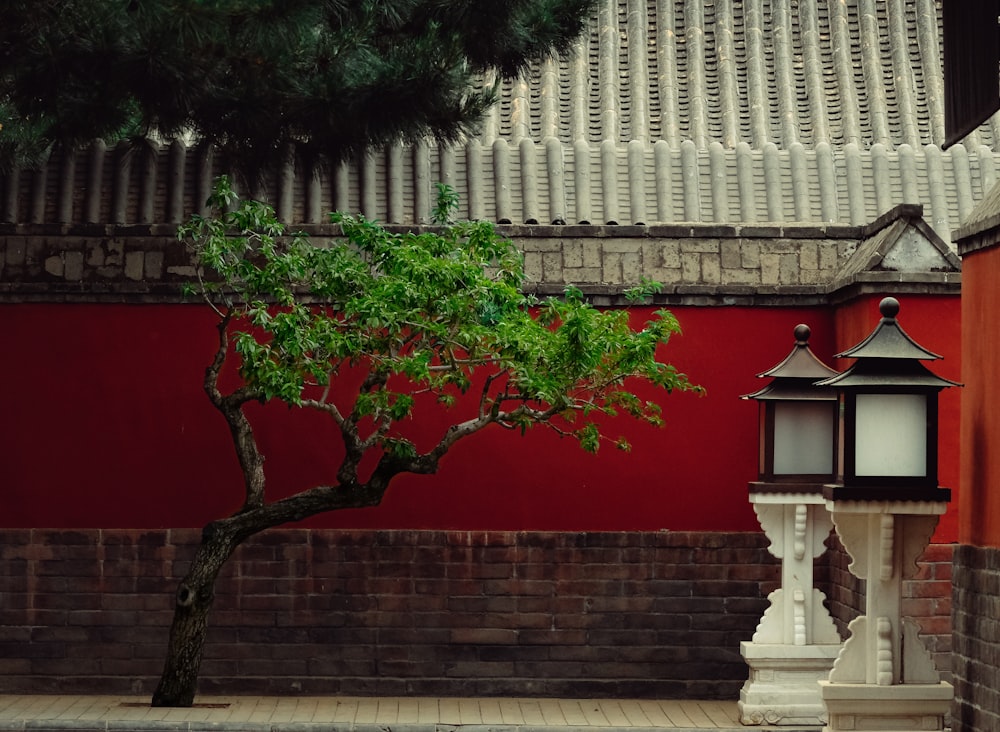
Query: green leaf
x: 394, y: 315
x: 589, y: 436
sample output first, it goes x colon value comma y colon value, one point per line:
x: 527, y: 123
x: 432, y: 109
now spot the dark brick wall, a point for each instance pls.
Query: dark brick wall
x: 976, y: 639
x: 927, y: 597
x: 391, y: 612
x: 845, y: 593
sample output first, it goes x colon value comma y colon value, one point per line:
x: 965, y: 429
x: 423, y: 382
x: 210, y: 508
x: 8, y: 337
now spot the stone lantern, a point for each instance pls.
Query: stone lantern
x: 796, y: 641
x: 890, y: 402
x: 885, y: 508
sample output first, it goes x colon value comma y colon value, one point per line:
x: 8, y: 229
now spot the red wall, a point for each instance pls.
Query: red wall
x: 980, y: 514
x: 105, y: 425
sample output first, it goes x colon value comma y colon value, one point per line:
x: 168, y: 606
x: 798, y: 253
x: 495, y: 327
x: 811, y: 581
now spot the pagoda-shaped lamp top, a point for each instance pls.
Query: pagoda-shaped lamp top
x: 796, y: 375
x: 890, y: 412
x: 888, y: 357
x: 797, y: 423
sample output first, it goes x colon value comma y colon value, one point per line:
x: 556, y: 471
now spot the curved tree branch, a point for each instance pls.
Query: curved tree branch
x: 231, y: 406
x: 299, y: 506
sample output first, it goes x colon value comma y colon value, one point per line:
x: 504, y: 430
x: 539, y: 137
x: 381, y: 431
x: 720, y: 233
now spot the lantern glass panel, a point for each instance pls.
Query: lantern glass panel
x: 891, y: 435
x: 803, y: 437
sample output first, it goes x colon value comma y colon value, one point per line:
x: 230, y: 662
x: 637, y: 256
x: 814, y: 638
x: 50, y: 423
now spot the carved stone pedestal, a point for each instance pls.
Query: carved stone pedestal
x: 783, y: 685
x: 900, y: 708
x: 884, y: 679
x: 796, y: 641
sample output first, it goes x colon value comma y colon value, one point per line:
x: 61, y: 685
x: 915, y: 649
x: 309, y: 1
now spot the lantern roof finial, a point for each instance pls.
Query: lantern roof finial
x: 801, y: 363
x: 795, y: 376
x: 888, y: 340
x: 888, y: 357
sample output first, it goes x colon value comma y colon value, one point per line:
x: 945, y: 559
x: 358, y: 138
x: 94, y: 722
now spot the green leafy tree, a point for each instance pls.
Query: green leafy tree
x: 251, y: 76
x: 376, y: 330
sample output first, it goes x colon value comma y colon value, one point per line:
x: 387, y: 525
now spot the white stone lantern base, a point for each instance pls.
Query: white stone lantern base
x: 783, y: 687
x: 796, y: 641
x: 896, y: 708
x: 884, y: 679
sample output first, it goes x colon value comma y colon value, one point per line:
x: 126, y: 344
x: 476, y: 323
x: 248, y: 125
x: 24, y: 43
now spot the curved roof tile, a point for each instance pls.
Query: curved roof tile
x: 725, y: 111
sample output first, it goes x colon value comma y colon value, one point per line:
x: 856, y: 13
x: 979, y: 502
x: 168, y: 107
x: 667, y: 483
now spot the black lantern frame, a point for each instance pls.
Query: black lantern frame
x: 926, y: 476
x: 889, y: 401
x: 792, y: 409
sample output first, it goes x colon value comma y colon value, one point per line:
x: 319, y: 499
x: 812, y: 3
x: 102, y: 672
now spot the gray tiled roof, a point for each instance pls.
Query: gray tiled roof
x: 732, y: 71
x: 730, y: 111
x: 719, y: 111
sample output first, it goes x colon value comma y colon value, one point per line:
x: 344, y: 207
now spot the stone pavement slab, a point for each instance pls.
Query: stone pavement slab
x: 67, y: 713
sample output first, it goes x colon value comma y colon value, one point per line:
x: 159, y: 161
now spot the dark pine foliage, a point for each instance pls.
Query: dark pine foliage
x: 331, y: 76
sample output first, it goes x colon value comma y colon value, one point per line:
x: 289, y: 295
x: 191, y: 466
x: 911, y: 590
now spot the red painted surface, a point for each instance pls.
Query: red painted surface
x: 980, y: 511
x: 934, y: 323
x: 105, y: 425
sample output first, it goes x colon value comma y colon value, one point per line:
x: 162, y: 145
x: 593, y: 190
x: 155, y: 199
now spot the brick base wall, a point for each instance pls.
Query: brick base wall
x: 845, y: 593
x: 645, y: 614
x: 976, y: 639
x: 927, y: 597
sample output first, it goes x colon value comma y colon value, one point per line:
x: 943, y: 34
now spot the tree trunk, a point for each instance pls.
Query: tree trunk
x: 179, y: 681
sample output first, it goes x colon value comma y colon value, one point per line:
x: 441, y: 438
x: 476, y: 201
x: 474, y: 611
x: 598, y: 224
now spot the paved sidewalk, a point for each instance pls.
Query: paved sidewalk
x: 365, y: 714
